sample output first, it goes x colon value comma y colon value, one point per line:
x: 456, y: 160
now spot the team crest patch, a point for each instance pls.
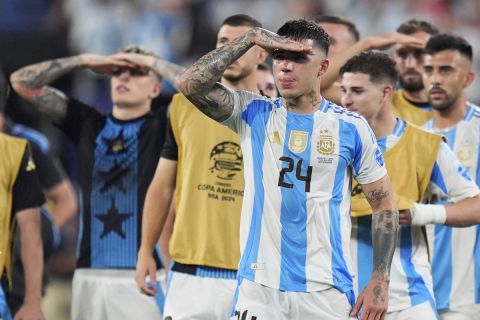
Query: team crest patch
x: 298, y: 141
x: 325, y: 144
x: 465, y: 152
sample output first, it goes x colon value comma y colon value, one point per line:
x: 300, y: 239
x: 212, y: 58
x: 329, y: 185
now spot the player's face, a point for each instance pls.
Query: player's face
x: 134, y: 87
x: 340, y: 38
x: 266, y: 84
x: 446, y: 74
x: 244, y: 65
x: 296, y: 73
x: 361, y: 95
x: 409, y: 62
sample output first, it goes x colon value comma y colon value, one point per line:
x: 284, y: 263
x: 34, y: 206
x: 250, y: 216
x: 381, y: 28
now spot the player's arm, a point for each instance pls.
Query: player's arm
x: 167, y: 70
x: 32, y: 82
x: 199, y: 83
x: 167, y: 234
x: 385, y: 225
x: 27, y: 198
x: 381, y: 41
x: 449, y: 180
x: 157, y: 203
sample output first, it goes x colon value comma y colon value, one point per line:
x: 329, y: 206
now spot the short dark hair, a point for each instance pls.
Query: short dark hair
x: 414, y: 25
x: 303, y: 29
x: 264, y: 67
x: 379, y: 66
x: 238, y: 20
x: 3, y: 91
x: 352, y: 28
x: 444, y: 41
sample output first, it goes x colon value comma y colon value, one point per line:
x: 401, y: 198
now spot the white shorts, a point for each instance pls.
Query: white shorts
x: 103, y: 294
x: 195, y: 295
x: 468, y: 312
x: 423, y: 311
x: 255, y: 301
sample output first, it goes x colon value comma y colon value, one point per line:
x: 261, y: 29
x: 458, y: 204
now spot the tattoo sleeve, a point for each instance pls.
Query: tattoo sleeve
x: 169, y: 71
x: 31, y: 82
x: 200, y: 84
x: 385, y: 226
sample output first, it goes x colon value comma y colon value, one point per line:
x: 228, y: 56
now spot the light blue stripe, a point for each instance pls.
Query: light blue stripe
x: 437, y: 178
x: 4, y: 310
x: 258, y: 136
x: 469, y: 113
x: 399, y: 128
x: 476, y: 259
x: 477, y: 178
x: 235, y: 296
x: 442, y: 266
x: 382, y: 144
x: 210, y: 272
x: 450, y: 135
x: 293, y: 216
x: 417, y: 289
x: 349, y: 142
x: 81, y: 224
x: 159, y: 297
x: 33, y: 136
x: 364, y: 251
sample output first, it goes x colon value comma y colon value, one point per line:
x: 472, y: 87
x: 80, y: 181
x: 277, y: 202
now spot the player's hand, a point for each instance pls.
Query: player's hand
x: 140, y: 60
x: 372, y: 304
x: 271, y: 41
x: 386, y: 40
x: 405, y: 217
x: 29, y: 311
x: 146, y: 266
x: 104, y: 64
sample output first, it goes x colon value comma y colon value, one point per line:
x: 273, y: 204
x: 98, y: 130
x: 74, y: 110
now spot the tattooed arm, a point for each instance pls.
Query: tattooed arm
x: 31, y: 82
x: 199, y: 83
x: 385, y: 225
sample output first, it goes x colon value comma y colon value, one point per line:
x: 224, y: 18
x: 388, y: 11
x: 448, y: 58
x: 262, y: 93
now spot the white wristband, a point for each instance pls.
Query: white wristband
x: 423, y: 214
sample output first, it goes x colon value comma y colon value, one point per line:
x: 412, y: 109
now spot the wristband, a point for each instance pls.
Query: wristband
x: 423, y: 214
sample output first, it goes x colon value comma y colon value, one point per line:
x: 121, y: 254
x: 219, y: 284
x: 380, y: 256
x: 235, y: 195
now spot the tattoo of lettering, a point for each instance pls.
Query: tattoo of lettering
x: 385, y: 226
x: 375, y: 196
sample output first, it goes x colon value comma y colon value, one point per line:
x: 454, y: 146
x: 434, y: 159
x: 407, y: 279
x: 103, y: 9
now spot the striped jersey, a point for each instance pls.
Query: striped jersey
x: 410, y: 276
x: 295, y: 222
x: 456, y: 251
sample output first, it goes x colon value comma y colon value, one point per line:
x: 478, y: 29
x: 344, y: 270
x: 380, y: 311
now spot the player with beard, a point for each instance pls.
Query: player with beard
x: 203, y: 163
x: 447, y: 71
x: 410, y: 102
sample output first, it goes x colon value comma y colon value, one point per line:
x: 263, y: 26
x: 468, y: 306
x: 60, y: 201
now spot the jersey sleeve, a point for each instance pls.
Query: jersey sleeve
x: 170, y: 147
x: 77, y: 114
x: 50, y: 171
x: 450, y: 180
x: 241, y: 111
x: 27, y: 192
x: 368, y: 164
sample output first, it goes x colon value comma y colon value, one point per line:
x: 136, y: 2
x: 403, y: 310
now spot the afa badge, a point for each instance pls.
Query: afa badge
x: 298, y: 141
x: 325, y: 144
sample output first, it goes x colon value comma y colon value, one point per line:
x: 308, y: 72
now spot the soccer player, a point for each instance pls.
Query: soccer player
x: 20, y: 200
x: 345, y: 42
x: 411, y: 102
x: 118, y: 154
x: 61, y: 199
x: 300, y: 152
x: 447, y: 71
x: 203, y: 159
x: 419, y: 163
